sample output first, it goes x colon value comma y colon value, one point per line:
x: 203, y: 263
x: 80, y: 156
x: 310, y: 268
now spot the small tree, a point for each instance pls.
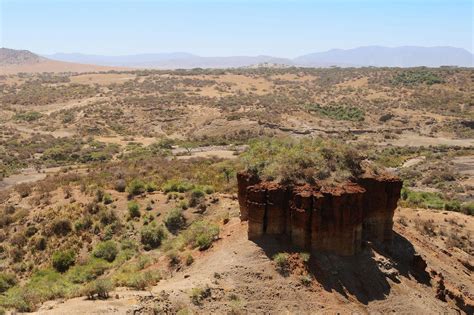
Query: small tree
x: 62, y: 260
x: 106, y: 250
x: 136, y: 187
x: 175, y: 220
x: 133, y: 209
x: 152, y: 236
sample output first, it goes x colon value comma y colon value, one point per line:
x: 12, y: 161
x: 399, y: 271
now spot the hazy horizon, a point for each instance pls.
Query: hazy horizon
x: 187, y: 52
x: 233, y: 28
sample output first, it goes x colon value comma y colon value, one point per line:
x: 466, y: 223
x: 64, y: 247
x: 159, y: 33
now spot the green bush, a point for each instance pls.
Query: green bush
x: 189, y: 260
x: 196, y: 197
x: 199, y: 294
x: 107, y: 199
x: 415, y: 77
x: 176, y: 186
x: 428, y: 200
x: 88, y: 271
x: 201, y: 234
x: 281, y: 261
x: 7, y: 281
x: 62, y: 260
x: 338, y: 112
x: 136, y: 187
x: 453, y: 205
x: 139, y: 280
x: 175, y: 220
x: 99, y: 287
x: 133, y: 209
x: 27, y: 116
x: 43, y: 285
x: 468, y: 208
x: 151, y: 187
x: 151, y: 236
x: 106, y: 250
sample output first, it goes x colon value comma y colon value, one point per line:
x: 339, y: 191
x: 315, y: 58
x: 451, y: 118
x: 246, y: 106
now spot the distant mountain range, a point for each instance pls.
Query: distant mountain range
x: 377, y: 56
x: 12, y: 60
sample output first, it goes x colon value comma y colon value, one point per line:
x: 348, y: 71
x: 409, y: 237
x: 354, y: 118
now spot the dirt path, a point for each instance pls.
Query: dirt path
x: 412, y: 139
x: 57, y: 133
x: 223, y: 151
x: 28, y: 175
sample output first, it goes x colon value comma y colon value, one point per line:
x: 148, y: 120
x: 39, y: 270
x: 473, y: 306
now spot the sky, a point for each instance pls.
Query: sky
x: 235, y: 27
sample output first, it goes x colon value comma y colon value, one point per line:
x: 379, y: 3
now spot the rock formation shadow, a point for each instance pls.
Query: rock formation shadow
x: 365, y: 275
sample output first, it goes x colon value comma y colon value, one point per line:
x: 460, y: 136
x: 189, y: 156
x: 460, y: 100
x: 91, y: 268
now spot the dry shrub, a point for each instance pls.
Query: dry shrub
x: 425, y: 227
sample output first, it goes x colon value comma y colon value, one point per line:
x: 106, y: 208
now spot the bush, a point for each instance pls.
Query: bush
x: 24, y: 190
x: 453, y: 205
x: 468, y: 208
x: 133, y: 209
x: 281, y: 261
x: 176, y: 186
x: 201, y: 234
x: 306, y: 280
x: 100, y: 287
x: 27, y: 116
x: 196, y: 197
x: 107, y: 199
x: 175, y: 220
x: 120, y: 185
x: 106, y: 250
x: 338, y: 112
x: 189, y: 260
x: 152, y: 236
x: 199, y: 294
x: 136, y: 187
x: 62, y: 260
x: 305, y: 257
x: 140, y: 280
x: 7, y: 281
x: 88, y: 271
x: 422, y: 199
x: 61, y: 227
x: 151, y: 187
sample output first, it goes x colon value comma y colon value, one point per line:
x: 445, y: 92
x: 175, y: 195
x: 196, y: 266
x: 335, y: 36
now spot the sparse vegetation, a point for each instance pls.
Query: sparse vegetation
x: 131, y: 184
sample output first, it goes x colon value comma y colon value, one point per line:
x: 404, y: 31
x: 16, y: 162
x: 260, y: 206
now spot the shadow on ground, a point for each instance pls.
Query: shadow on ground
x: 365, y: 275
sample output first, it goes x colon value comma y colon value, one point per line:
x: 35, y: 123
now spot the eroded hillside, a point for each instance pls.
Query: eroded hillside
x: 119, y: 192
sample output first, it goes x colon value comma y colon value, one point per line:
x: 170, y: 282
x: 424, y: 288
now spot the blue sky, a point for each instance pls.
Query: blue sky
x: 235, y: 27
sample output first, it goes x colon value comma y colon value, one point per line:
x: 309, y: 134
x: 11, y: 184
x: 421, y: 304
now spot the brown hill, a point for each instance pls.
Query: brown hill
x: 14, y: 61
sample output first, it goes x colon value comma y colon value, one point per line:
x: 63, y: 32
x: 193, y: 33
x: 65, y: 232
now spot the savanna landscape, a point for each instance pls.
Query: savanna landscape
x: 119, y: 192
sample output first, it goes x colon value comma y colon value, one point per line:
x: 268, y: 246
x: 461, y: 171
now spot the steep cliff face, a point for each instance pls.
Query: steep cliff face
x: 380, y: 202
x: 332, y: 219
x: 245, y: 180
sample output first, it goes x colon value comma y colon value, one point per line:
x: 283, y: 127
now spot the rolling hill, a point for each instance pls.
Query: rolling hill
x: 15, y: 61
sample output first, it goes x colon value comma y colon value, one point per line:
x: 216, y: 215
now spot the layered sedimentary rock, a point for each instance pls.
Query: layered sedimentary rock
x: 380, y: 202
x: 334, y: 219
x: 245, y: 180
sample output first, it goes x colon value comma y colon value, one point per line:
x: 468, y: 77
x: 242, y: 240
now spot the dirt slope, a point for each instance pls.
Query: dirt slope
x: 243, y: 279
x: 52, y: 66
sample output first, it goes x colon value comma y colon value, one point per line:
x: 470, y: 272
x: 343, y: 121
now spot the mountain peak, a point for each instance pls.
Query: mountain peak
x: 18, y: 57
